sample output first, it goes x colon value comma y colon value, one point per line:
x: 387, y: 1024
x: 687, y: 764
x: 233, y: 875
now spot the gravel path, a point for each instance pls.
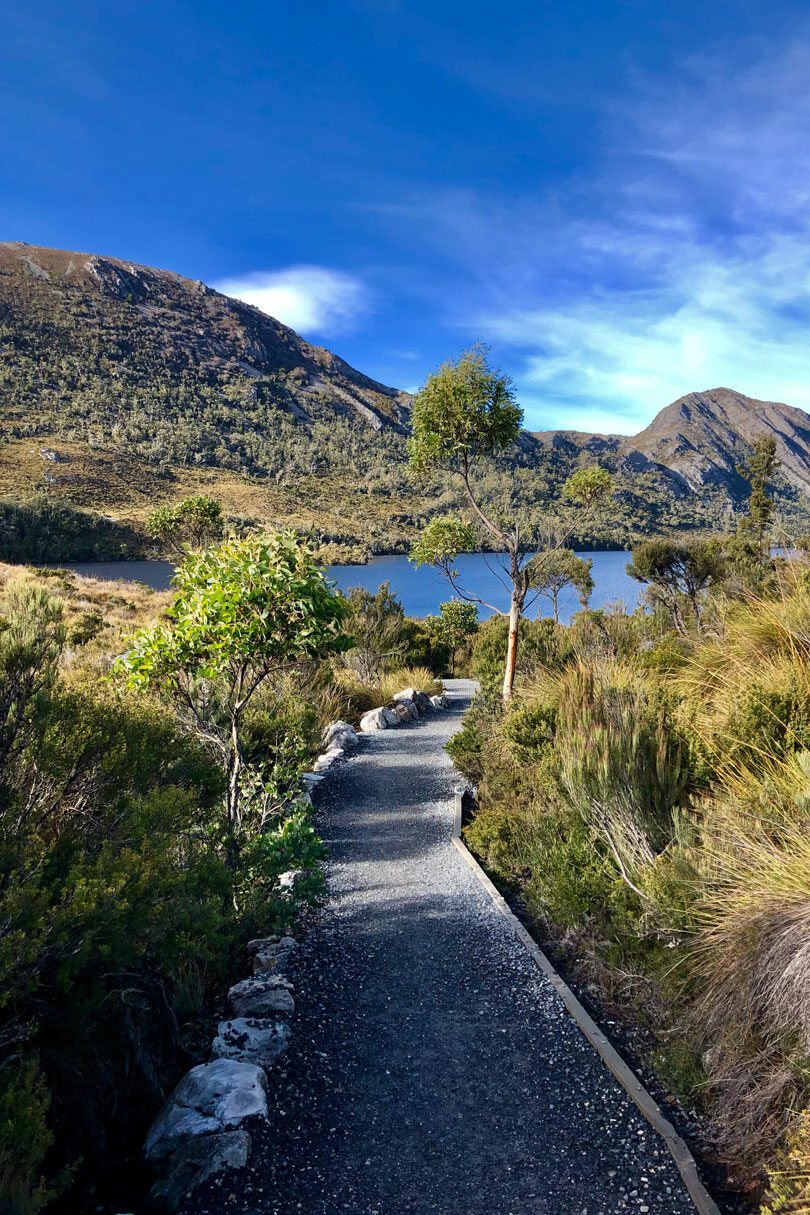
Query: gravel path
x: 433, y: 1067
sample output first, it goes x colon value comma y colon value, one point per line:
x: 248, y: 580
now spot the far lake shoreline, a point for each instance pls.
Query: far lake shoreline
x: 419, y: 590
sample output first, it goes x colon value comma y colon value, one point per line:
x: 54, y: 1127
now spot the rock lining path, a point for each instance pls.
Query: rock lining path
x: 433, y: 1068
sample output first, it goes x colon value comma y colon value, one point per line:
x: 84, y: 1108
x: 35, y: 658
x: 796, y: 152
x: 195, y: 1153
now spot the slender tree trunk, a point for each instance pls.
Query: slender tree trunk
x: 511, y: 648
x: 232, y: 807
x: 696, y: 610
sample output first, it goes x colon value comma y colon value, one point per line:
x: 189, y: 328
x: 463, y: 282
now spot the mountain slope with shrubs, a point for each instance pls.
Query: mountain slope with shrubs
x: 123, y: 387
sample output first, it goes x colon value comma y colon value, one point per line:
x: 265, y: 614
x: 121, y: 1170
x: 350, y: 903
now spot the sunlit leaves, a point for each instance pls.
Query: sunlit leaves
x: 463, y: 410
x: 442, y: 540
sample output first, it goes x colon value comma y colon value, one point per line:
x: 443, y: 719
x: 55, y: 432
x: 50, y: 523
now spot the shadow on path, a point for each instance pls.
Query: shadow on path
x: 433, y: 1069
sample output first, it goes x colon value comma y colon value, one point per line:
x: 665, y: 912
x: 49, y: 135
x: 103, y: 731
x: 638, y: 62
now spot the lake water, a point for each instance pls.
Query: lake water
x: 420, y: 591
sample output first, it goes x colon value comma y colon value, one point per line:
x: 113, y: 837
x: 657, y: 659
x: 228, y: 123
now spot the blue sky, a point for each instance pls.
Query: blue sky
x: 615, y: 195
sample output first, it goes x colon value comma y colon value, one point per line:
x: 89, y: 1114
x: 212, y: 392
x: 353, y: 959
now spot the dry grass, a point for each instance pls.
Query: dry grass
x: 98, y: 614
x: 126, y: 489
x: 753, y: 952
x: 359, y: 697
x: 421, y: 679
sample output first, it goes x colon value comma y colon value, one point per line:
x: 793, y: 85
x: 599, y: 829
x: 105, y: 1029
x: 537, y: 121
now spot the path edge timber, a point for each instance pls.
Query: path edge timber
x: 684, y: 1160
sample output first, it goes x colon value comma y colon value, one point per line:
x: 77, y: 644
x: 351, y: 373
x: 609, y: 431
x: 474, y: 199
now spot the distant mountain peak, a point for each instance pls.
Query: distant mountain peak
x: 703, y: 436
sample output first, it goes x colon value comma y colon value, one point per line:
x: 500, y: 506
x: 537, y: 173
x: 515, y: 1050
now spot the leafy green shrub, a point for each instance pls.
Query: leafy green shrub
x: 24, y: 1138
x: 769, y: 721
x: 118, y: 895
x: 529, y: 729
x: 465, y: 749
x: 542, y: 645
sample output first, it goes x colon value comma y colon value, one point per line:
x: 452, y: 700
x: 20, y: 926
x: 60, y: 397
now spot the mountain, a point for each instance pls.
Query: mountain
x: 122, y: 386
x: 694, y: 447
x: 704, y: 436
x: 118, y: 328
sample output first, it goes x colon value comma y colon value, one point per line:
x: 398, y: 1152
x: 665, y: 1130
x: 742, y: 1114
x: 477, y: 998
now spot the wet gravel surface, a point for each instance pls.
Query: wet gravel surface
x: 433, y: 1068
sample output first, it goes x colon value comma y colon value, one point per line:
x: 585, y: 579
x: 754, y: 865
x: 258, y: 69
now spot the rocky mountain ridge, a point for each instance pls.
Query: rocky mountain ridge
x: 199, y: 332
x: 122, y: 386
x: 699, y: 440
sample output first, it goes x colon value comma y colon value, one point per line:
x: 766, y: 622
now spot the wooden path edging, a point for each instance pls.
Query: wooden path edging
x: 680, y: 1153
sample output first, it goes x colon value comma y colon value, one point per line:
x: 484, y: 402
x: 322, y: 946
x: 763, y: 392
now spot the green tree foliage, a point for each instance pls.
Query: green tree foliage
x: 243, y: 611
x: 552, y: 572
x: 750, y: 549
x: 678, y: 572
x: 120, y: 907
x: 463, y: 413
x: 38, y: 529
x: 31, y: 638
x: 191, y: 524
x: 456, y: 623
x: 377, y: 626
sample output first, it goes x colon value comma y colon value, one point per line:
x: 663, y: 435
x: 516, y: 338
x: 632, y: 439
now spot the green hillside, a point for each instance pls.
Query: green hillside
x: 123, y: 386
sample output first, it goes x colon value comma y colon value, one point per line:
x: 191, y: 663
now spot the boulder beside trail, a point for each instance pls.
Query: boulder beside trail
x: 211, y: 1098
x: 251, y: 1040
x: 198, y: 1160
x: 271, y: 955
x: 340, y: 734
x: 326, y: 759
x: 263, y: 996
x: 420, y: 699
x: 378, y: 719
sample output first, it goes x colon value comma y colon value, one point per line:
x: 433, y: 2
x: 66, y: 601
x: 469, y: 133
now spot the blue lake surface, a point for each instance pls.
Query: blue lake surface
x: 420, y: 591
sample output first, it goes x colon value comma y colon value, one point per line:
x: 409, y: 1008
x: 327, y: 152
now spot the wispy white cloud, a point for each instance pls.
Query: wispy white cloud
x: 310, y: 299
x: 683, y: 263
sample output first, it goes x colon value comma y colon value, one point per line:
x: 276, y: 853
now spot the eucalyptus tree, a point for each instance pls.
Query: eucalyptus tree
x: 192, y: 524
x: 555, y: 569
x: 456, y: 623
x: 243, y: 611
x: 677, y: 573
x: 464, y: 412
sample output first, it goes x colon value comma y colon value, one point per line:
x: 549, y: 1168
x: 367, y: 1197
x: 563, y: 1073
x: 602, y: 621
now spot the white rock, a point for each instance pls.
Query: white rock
x: 327, y: 759
x: 273, y: 957
x: 436, y: 701
x: 340, y: 734
x: 260, y: 943
x: 198, y: 1160
x: 212, y: 1097
x: 375, y: 719
x: 178, y: 1124
x: 251, y: 1040
x: 262, y: 997
x: 405, y: 694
